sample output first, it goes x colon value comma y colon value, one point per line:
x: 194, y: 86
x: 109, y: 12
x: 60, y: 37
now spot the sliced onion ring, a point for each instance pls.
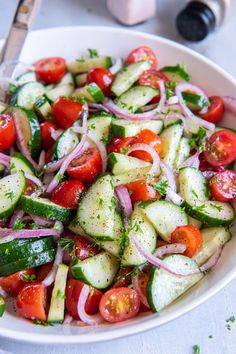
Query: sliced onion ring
x: 124, y: 198
x: 230, y: 104
x: 102, y: 149
x: 92, y: 320
x: 50, y: 278
x: 169, y: 249
x: 116, y: 66
x: 9, y: 234
x: 192, y: 161
x: 135, y: 283
x: 212, y: 261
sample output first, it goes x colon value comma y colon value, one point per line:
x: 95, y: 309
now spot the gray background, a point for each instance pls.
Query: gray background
x: 177, y: 337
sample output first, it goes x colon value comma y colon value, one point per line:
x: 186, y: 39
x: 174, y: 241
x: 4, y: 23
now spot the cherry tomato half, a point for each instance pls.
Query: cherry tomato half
x: 30, y: 187
x: 68, y: 193
x: 188, y: 235
x: 84, y: 248
x: 142, y: 279
x: 7, y: 131
x: 73, y: 290
x: 119, y: 304
x: 43, y: 271
x: 87, y: 166
x: 221, y: 148
x: 15, y: 282
x: 50, y: 70
x: 142, y: 53
x: 147, y: 136
x: 141, y: 190
x: 102, y: 77
x: 46, y: 129
x: 31, y: 301
x: 223, y: 186
x: 119, y: 143
x: 151, y: 78
x: 123, y: 278
x: 215, y: 111
x: 66, y: 111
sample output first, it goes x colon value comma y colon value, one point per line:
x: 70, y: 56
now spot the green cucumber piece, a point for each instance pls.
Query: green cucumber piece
x: 171, y: 138
x: 97, y: 208
x: 11, y: 189
x: 57, y: 304
x: 126, y: 128
x: 212, y: 239
x: 168, y: 121
x: 163, y: 287
x: 58, y: 91
x: 182, y: 153
x: 119, y: 163
x: 90, y: 92
x: 114, y: 247
x: 30, y: 129
x: 27, y: 94
x: 130, y: 176
x: 65, y: 144
x: 20, y: 163
x: 66, y: 80
x: 45, y: 208
x: 80, y: 80
x: 98, y: 271
x: 128, y: 76
x: 175, y: 73
x: 136, y: 97
x: 194, y: 222
x: 84, y: 65
x: 99, y: 125
x: 42, y: 107
x: 145, y: 233
x: 194, y: 101
x: 164, y: 216
x: 2, y: 305
x: 26, y: 77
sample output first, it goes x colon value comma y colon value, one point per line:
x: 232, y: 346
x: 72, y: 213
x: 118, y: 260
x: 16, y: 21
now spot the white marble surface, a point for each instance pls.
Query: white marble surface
x: 177, y: 337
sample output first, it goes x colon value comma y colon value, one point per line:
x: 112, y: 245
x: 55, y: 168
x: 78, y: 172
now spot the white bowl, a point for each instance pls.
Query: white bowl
x: 71, y: 43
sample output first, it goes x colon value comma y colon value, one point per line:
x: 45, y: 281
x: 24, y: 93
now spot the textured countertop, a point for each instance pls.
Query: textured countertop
x: 206, y: 325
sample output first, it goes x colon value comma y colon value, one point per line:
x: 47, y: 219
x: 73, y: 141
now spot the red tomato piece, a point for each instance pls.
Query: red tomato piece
x: 46, y: 129
x: 188, y: 235
x: 223, y: 186
x: 30, y: 187
x: 7, y: 131
x: 151, y: 78
x: 43, y: 271
x: 50, y: 70
x: 205, y: 166
x: 48, y: 155
x: 31, y: 301
x: 142, y: 282
x: 15, y: 282
x: 123, y: 278
x: 221, y: 148
x: 147, y: 136
x: 119, y: 304
x: 215, y: 111
x: 120, y: 143
x: 66, y: 111
x: 84, y: 248
x: 102, y: 77
x: 141, y: 190
x: 142, y: 53
x: 87, y: 166
x: 68, y: 193
x: 73, y: 290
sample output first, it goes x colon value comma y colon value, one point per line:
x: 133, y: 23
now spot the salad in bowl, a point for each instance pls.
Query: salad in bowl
x: 117, y: 187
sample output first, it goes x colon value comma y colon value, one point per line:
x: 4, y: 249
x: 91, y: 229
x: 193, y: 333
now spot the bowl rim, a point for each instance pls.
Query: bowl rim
x: 121, y: 332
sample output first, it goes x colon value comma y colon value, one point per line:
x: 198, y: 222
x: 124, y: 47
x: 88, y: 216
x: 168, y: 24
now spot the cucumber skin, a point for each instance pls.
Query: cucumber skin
x: 27, y: 263
x: 149, y: 288
x: 2, y: 306
x: 47, y: 211
x: 177, y: 70
x: 21, y: 157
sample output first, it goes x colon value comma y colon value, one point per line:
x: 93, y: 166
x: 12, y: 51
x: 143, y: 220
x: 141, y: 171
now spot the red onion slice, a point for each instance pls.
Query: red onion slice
x: 54, y: 166
x: 230, y: 104
x: 111, y: 106
x: 41, y: 162
x: 135, y: 283
x: 102, y: 149
x: 41, y: 221
x: 208, y: 174
x: 172, y: 248
x: 124, y: 198
x: 173, y: 197
x: 161, y: 263
x: 92, y: 320
x: 9, y: 234
x: 116, y: 66
x: 169, y: 175
x: 50, y: 278
x: 97, y: 107
x: 212, y: 261
x: 5, y: 160
x: 68, y: 319
x: 35, y: 180
x: 183, y: 87
x: 155, y: 169
x: 18, y: 214
x: 192, y: 161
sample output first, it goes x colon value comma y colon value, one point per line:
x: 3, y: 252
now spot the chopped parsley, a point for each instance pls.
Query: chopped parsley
x: 169, y: 93
x: 42, y: 323
x: 68, y: 245
x: 196, y: 349
x: 60, y: 295
x: 60, y: 177
x: 218, y: 207
x: 199, y: 207
x: 104, y: 140
x: 19, y: 225
x: 124, y: 149
x: 160, y: 186
x: 27, y: 278
x: 210, y: 336
x: 113, y: 203
x: 198, y: 139
x: 231, y: 319
x: 9, y: 195
x: 194, y: 193
x: 93, y: 53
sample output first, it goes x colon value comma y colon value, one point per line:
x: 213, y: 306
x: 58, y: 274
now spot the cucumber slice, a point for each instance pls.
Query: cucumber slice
x: 27, y: 94
x: 100, y: 126
x: 98, y: 271
x: 182, y: 153
x: 42, y: 107
x: 114, y: 247
x: 128, y: 76
x: 45, y: 208
x: 164, y: 216
x: 131, y: 176
x: 194, y: 101
x: 136, y: 97
x: 171, y: 138
x: 97, y: 208
x: 11, y: 189
x: 194, y: 222
x: 57, y: 304
x: 82, y: 66
x: 26, y: 77
x: 119, y: 163
x: 163, y: 287
x: 2, y: 305
x: 90, y: 92
x: 145, y: 233
x: 75, y: 227
x: 60, y: 90
x: 80, y: 80
x: 168, y: 121
x: 175, y: 73
x: 192, y: 186
x: 28, y: 124
x: 66, y: 80
x: 65, y: 144
x: 212, y: 239
x: 20, y: 163
x: 126, y: 128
